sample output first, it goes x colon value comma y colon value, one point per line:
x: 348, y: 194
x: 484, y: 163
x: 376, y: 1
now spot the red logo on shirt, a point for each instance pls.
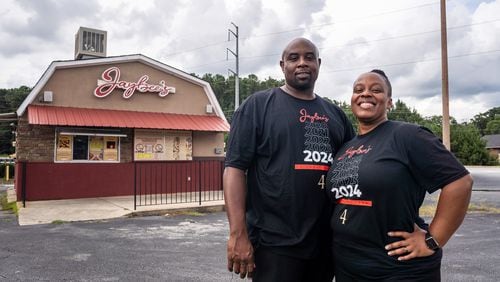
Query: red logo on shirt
x: 352, y: 152
x: 304, y: 116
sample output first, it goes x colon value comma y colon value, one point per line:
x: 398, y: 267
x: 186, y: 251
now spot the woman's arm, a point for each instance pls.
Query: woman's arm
x: 451, y: 209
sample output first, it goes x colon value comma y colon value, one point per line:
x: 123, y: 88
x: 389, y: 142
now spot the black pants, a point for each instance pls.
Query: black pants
x: 273, y: 267
x: 432, y: 275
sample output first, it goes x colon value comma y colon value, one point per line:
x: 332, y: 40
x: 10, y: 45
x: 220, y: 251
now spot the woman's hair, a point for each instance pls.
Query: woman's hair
x: 382, y: 73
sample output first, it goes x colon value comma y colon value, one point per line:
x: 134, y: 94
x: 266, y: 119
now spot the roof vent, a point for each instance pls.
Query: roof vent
x: 90, y: 43
x: 47, y: 96
x: 209, y: 109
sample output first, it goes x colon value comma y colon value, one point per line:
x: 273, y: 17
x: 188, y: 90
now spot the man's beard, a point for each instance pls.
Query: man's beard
x: 302, y: 86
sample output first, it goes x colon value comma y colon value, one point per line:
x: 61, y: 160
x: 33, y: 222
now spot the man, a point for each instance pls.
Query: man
x: 280, y: 148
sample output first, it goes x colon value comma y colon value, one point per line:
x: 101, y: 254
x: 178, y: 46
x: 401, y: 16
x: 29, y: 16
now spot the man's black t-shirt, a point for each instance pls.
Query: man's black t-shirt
x: 378, y: 182
x: 286, y: 146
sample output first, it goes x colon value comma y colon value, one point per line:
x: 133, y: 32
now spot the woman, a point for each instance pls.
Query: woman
x: 378, y: 182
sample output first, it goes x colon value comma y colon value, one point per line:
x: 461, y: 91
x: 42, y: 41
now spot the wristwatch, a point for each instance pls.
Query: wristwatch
x: 431, y: 242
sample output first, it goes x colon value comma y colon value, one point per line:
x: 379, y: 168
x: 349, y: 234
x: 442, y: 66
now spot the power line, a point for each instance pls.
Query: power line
x: 385, y: 38
x: 302, y: 29
x: 344, y: 21
x: 359, y: 43
x: 413, y: 62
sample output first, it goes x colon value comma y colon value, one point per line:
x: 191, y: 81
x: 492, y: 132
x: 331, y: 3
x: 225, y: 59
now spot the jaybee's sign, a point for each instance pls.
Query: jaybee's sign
x: 111, y: 81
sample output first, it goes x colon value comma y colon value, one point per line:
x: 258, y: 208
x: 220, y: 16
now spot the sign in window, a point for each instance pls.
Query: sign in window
x: 163, y: 145
x: 86, y: 148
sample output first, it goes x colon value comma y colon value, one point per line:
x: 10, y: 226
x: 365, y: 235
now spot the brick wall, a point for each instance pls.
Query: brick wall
x: 34, y: 143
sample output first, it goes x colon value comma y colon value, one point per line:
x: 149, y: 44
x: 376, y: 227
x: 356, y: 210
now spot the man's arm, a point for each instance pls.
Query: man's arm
x: 239, y: 248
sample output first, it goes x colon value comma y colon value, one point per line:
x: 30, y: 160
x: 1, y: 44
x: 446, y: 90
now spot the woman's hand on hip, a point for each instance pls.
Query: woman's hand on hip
x: 412, y: 245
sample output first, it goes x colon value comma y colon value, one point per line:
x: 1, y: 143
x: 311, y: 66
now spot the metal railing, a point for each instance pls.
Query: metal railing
x: 163, y: 183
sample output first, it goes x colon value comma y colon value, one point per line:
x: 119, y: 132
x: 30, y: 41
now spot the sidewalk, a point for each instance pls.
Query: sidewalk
x: 43, y: 212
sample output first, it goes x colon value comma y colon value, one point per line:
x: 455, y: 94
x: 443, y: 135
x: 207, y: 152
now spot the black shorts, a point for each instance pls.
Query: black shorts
x: 272, y: 267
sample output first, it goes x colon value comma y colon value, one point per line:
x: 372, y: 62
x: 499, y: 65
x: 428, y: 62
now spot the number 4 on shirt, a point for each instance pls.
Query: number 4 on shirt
x: 343, y: 216
x: 321, y: 182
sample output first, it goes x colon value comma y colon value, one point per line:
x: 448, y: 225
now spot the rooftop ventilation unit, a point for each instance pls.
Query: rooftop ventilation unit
x: 90, y: 43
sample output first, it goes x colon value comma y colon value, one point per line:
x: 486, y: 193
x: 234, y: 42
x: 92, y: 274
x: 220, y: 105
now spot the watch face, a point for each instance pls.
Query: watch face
x: 431, y: 243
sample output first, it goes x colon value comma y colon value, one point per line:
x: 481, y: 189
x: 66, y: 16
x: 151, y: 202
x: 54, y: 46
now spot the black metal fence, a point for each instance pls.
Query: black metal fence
x: 163, y: 183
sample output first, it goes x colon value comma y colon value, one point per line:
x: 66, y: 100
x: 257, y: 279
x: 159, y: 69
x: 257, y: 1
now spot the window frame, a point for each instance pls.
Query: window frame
x: 89, y: 133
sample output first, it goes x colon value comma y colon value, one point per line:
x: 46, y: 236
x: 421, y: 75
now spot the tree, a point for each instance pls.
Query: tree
x: 467, y: 145
x: 434, y: 124
x: 10, y: 100
x: 224, y: 89
x: 400, y: 111
x: 347, y: 110
x: 493, y: 126
x: 481, y: 120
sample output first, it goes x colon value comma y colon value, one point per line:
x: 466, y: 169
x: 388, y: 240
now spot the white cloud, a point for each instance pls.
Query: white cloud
x: 400, y: 37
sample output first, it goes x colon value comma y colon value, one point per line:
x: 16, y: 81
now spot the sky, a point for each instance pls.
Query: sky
x: 401, y: 37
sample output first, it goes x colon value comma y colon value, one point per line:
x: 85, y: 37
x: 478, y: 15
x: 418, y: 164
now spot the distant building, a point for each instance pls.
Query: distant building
x: 493, y: 145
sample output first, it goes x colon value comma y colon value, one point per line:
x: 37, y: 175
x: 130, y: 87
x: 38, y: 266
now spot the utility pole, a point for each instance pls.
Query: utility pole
x: 444, y: 78
x: 237, y: 72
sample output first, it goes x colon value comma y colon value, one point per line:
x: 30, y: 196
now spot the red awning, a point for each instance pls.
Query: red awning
x: 49, y: 115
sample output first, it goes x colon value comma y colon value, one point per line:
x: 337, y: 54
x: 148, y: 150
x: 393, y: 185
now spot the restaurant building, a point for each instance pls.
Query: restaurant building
x: 100, y: 126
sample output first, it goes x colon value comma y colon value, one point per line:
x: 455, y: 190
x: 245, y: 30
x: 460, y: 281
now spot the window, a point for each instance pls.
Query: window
x: 150, y: 145
x: 87, y: 147
x: 80, y: 148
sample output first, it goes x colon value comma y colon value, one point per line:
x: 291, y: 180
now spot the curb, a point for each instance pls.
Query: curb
x: 178, y: 211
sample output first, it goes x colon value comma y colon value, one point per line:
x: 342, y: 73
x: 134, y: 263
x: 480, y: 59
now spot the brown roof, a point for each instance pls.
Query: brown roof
x: 67, y: 116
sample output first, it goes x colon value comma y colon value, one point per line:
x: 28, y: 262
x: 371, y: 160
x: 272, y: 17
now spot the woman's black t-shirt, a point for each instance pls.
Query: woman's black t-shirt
x: 378, y: 182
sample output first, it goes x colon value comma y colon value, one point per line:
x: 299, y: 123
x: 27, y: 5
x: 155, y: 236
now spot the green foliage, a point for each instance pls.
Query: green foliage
x: 467, y: 145
x: 435, y: 124
x: 5, y: 205
x: 224, y: 89
x: 493, y: 126
x: 348, y: 111
x: 10, y: 100
x: 481, y: 120
x: 400, y: 111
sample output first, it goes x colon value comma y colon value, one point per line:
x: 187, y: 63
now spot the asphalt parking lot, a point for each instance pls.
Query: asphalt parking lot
x: 186, y: 247
x: 191, y: 246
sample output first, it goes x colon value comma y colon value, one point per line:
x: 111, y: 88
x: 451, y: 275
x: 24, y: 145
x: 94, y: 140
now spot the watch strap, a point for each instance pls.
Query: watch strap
x: 431, y: 242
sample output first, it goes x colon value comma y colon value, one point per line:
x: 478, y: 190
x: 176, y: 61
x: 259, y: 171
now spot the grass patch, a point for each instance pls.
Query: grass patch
x: 482, y: 208
x: 427, y: 210
x: 58, y: 221
x: 430, y: 209
x: 191, y: 213
x: 12, y: 206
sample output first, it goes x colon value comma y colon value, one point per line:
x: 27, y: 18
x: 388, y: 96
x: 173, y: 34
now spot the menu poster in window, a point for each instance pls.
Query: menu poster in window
x: 96, y: 148
x: 189, y: 148
x: 163, y: 145
x: 149, y: 145
x: 64, y: 151
x: 179, y: 145
x: 110, y: 148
